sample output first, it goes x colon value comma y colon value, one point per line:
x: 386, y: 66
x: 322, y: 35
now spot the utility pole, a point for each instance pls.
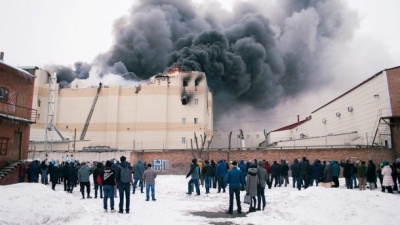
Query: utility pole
x: 50, y: 113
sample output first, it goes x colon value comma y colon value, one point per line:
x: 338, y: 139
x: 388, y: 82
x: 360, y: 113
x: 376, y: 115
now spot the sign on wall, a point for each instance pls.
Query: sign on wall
x: 160, y: 164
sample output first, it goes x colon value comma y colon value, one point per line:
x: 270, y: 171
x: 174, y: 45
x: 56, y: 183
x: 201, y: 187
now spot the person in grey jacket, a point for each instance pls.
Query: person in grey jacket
x: 263, y: 176
x: 251, y: 186
x: 83, y: 178
x: 138, y: 170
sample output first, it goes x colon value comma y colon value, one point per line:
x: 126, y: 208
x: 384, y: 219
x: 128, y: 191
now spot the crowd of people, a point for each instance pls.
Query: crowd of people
x: 117, y: 177
x: 110, y: 180
x: 254, y: 176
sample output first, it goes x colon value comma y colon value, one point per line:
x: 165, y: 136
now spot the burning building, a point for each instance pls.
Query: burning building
x: 163, y: 112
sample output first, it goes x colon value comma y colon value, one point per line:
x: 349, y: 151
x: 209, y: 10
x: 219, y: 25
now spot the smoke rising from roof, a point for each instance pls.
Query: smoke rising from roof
x: 252, y: 59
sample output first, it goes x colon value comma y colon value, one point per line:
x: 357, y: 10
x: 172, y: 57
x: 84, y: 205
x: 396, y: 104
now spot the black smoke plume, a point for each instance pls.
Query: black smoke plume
x: 250, y: 58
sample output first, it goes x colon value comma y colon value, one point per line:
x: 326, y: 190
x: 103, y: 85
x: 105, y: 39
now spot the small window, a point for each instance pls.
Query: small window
x: 238, y: 136
x: 257, y: 136
x: 183, y: 120
x: 196, y: 101
x: 183, y: 140
x: 3, y: 94
x: 38, y: 102
x: 248, y: 136
x: 3, y: 146
x: 196, y: 120
x: 38, y: 116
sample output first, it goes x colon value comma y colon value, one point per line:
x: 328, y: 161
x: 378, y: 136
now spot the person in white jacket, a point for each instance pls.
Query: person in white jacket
x: 387, y: 178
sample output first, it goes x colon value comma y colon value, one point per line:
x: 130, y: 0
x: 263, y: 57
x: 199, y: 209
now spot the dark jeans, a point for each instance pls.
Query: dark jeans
x: 83, y: 185
x: 389, y: 188
x: 312, y: 181
x: 140, y: 184
x: 336, y: 181
x: 277, y: 180
x: 108, y: 193
x: 152, y: 188
x: 349, y: 182
x: 66, y: 188
x: 207, y: 181
x: 236, y: 192
x: 243, y: 181
x: 302, y: 180
x: 260, y: 196
x: 221, y: 184
x: 96, y: 188
x: 294, y: 181
x: 354, y: 180
x: 196, y: 185
x: 53, y: 184
x: 124, y: 189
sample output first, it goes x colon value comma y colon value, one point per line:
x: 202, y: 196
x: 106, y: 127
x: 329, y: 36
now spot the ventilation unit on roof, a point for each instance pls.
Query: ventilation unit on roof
x: 350, y: 109
x: 324, y: 120
x: 338, y: 114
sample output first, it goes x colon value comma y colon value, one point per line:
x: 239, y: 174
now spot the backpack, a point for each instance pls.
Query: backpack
x: 125, y: 174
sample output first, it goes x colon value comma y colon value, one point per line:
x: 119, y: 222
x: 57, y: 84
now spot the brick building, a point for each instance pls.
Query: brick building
x: 16, y: 113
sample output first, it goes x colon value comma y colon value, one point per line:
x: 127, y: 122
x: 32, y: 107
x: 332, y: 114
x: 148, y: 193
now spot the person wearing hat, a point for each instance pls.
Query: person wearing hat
x: 194, y: 172
x: 234, y: 179
x: 107, y: 179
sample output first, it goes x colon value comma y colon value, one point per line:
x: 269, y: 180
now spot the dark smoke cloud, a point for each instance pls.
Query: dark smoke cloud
x: 249, y: 60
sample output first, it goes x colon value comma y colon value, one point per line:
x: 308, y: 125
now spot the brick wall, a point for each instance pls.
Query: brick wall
x: 11, y: 178
x: 17, y: 83
x: 179, y: 161
x: 393, y: 76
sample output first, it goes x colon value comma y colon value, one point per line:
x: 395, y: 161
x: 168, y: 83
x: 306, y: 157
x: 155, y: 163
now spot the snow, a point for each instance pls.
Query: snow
x: 35, y: 203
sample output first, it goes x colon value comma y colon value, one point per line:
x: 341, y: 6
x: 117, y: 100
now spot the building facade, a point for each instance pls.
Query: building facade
x: 161, y: 113
x: 16, y: 113
x: 242, y: 140
x: 366, y: 115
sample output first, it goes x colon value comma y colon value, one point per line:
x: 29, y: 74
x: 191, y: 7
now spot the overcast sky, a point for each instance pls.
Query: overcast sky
x: 43, y: 32
x: 39, y: 32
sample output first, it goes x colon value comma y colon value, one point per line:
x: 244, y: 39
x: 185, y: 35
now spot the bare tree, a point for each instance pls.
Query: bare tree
x: 198, y: 152
x: 208, y: 148
x: 229, y: 146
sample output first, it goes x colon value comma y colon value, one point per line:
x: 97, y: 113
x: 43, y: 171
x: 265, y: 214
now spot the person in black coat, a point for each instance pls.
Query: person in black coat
x: 66, y: 171
x: 371, y: 175
x: 54, y: 175
x: 73, y: 176
x: 347, y: 173
x: 96, y: 173
x: 284, y: 173
x: 295, y: 172
x: 275, y: 173
x: 304, y: 171
x: 213, y: 178
x: 207, y: 172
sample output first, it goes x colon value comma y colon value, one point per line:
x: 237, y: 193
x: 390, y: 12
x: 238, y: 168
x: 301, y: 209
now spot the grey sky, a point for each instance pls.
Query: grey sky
x: 42, y: 32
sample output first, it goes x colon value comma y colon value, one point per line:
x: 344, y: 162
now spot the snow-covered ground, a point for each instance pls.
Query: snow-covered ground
x: 28, y: 203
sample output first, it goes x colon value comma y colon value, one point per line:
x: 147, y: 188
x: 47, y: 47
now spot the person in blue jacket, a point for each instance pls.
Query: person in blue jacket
x: 220, y: 174
x: 243, y: 169
x: 234, y: 179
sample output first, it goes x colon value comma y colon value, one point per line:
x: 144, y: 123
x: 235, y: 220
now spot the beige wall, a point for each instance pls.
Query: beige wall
x: 148, y: 119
